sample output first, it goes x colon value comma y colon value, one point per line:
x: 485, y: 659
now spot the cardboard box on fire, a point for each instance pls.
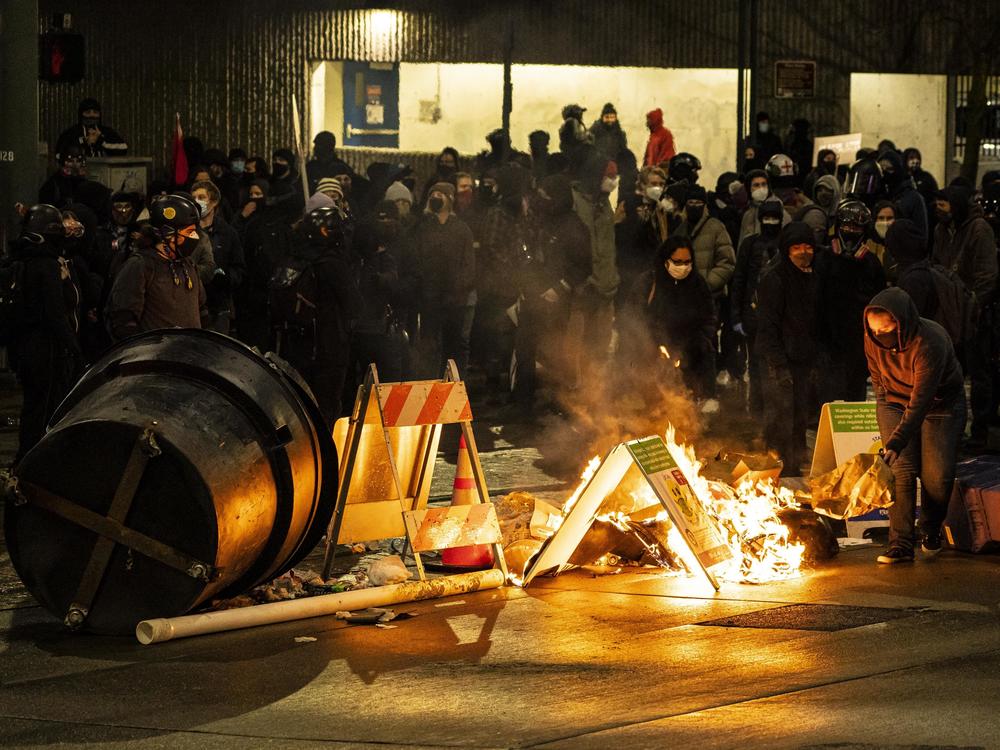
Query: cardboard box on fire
x: 847, y: 428
x: 671, y: 488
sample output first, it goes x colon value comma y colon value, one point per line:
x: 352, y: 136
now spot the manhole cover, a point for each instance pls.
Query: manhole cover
x: 826, y: 617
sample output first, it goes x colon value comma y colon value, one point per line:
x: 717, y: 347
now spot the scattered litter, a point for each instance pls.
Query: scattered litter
x: 388, y: 570
x: 384, y: 626
x: 370, y: 616
x: 857, y: 486
x: 305, y: 639
x: 851, y: 541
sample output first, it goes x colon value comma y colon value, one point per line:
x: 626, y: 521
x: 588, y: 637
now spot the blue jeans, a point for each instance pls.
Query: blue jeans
x: 931, y: 455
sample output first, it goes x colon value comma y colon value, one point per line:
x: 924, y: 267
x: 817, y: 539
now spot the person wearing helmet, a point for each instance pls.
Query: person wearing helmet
x: 683, y: 167
x: 313, y: 301
x: 660, y: 147
x: 787, y: 343
x: 158, y: 285
x: 850, y: 274
x: 40, y: 320
x: 899, y: 186
x: 865, y: 182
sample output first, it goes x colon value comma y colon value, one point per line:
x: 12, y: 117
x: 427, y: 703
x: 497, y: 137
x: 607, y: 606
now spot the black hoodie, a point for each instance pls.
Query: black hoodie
x: 905, y: 243
x: 920, y: 373
x: 967, y: 245
x: 108, y: 143
x: 787, y: 320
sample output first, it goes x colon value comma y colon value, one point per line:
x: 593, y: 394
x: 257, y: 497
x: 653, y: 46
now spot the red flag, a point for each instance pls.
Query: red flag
x: 180, y: 158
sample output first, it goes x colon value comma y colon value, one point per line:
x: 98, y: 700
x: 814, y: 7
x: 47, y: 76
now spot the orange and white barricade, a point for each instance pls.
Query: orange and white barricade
x: 388, y: 447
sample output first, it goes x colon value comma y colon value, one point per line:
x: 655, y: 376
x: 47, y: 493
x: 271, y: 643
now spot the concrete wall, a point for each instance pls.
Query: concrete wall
x: 699, y: 105
x: 910, y: 110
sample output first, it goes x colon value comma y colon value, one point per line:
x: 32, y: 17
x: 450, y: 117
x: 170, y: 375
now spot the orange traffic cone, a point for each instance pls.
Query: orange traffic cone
x: 476, y: 556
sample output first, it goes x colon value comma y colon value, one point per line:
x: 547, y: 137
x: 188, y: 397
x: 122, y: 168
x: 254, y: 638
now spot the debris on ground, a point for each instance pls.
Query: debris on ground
x: 370, y: 616
x: 859, y: 485
x: 388, y: 570
x: 305, y: 639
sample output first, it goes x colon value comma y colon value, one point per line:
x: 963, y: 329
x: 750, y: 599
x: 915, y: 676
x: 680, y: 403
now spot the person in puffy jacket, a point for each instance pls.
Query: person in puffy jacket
x: 660, y: 147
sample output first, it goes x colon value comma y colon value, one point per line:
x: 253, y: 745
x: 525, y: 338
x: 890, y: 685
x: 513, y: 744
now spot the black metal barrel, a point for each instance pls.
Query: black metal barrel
x: 182, y: 467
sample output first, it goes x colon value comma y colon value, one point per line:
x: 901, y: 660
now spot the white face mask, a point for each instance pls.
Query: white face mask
x: 668, y: 205
x: 759, y: 194
x: 203, y: 205
x: 608, y: 184
x: 763, y: 127
x: 653, y: 192
x: 678, y: 271
x: 882, y: 228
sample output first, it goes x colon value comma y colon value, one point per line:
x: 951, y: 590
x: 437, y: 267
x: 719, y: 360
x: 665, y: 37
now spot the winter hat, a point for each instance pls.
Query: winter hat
x: 905, y: 242
x: 796, y: 233
x: 330, y: 185
x: 397, y: 191
x: 696, y: 193
x: 446, y: 188
x: 319, y: 200
x: 608, y: 109
x: 573, y: 112
x: 772, y: 207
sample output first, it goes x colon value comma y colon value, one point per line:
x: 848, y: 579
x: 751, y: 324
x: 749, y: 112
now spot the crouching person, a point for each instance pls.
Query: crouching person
x: 920, y: 398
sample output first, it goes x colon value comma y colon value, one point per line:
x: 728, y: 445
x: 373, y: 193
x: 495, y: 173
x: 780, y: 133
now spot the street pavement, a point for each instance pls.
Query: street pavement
x: 849, y: 655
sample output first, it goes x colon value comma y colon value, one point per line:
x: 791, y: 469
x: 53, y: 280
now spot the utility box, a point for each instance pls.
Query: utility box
x: 125, y: 173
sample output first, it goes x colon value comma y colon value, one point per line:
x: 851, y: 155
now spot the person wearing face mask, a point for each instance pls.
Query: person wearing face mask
x: 596, y: 302
x: 399, y: 194
x: 675, y: 306
x: 899, y: 186
x: 764, y: 139
x: 42, y: 349
x: 826, y: 164
x: 885, y: 216
x: 92, y: 136
x: 904, y: 242
x: 924, y: 181
x: 265, y: 238
x: 257, y: 169
x: 117, y: 237
x: 237, y: 162
x: 158, y: 285
x: 286, y: 187
x: 850, y: 275
x: 920, y: 397
x: 757, y: 253
x: 440, y: 277
x: 722, y: 203
x: 61, y: 186
x: 787, y: 343
x: 964, y: 243
x: 502, y: 254
x: 378, y: 335
x: 227, y: 251
x: 826, y: 195
x: 644, y: 228
x: 714, y: 258
x: 758, y: 187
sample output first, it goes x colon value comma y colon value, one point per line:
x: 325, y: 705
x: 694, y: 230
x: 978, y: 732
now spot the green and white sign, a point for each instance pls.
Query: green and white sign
x: 846, y: 428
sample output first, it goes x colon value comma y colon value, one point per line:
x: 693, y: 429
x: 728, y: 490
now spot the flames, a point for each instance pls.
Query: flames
x: 747, y: 515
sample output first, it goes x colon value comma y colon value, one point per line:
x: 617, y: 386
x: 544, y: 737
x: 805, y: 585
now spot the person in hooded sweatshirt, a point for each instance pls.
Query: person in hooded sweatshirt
x: 90, y: 134
x: 899, y: 184
x: 964, y: 243
x: 660, y: 147
x: 764, y: 140
x: 679, y: 314
x: 324, y: 161
x: 920, y: 399
x: 758, y: 187
x: 826, y: 164
x: 787, y: 343
x: 755, y: 254
x: 905, y: 243
x: 286, y: 185
x: 609, y: 138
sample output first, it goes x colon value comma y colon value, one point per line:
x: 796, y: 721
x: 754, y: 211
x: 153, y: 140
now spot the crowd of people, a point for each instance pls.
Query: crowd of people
x: 526, y: 265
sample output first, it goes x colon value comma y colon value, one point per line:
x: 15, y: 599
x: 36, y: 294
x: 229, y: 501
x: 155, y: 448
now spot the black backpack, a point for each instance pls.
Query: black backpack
x: 958, y: 309
x: 292, y: 296
x: 11, y: 299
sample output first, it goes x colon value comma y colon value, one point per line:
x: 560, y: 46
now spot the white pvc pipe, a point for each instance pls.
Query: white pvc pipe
x: 166, y: 629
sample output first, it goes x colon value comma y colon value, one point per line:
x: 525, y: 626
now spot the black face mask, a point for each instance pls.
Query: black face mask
x: 435, y: 204
x: 694, y: 215
x: 259, y: 202
x: 850, y: 242
x: 279, y: 170
x: 889, y: 340
x: 770, y: 230
x: 387, y: 231
x: 446, y: 170
x: 829, y: 167
x: 486, y: 193
x: 944, y: 217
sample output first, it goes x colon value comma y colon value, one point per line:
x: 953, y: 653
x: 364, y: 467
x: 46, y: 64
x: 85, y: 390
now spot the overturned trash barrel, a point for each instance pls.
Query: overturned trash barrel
x: 182, y: 467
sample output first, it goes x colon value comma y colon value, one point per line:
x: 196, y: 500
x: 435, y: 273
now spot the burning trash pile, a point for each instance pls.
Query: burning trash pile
x: 764, y: 529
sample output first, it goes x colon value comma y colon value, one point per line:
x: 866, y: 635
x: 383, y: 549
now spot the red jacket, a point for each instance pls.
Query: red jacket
x: 661, y: 141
